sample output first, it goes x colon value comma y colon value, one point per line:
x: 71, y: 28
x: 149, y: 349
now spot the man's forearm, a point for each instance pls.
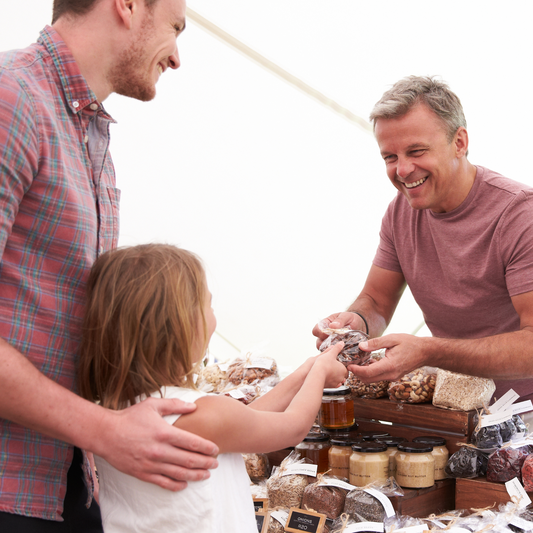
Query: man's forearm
x: 365, y: 306
x: 505, y: 356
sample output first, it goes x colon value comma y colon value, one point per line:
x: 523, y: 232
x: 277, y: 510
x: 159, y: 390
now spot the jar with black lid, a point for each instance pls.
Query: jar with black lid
x: 415, y: 465
x: 368, y: 463
x: 392, y: 448
x: 315, y: 447
x: 440, y: 453
x: 339, y: 457
x: 343, y: 433
x: 337, y: 409
x: 374, y: 435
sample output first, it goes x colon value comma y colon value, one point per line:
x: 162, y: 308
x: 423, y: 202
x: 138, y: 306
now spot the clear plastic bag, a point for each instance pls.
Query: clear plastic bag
x: 328, y: 500
x: 350, y: 354
x: 467, y: 463
x: 368, y: 390
x: 461, y: 392
x: 257, y: 466
x: 286, y: 491
x: 415, y: 387
x: 506, y: 463
x: 252, y: 369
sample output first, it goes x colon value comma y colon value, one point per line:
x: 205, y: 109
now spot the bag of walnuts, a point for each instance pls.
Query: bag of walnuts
x: 368, y: 390
x: 417, y: 386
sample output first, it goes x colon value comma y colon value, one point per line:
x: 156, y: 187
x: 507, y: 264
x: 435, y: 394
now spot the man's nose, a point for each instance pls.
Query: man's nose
x: 174, y: 59
x: 404, y: 167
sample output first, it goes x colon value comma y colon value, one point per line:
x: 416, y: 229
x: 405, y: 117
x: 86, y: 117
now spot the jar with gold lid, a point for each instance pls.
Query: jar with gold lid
x: 315, y: 447
x: 415, y: 465
x: 339, y: 457
x: 392, y: 449
x: 440, y: 454
x: 337, y: 409
x: 368, y: 463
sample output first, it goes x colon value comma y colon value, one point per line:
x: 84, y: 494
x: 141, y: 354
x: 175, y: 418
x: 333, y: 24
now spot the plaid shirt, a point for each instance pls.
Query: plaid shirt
x: 58, y: 211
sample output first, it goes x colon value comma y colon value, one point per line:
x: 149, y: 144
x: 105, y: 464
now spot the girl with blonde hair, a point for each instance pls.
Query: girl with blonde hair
x: 147, y: 326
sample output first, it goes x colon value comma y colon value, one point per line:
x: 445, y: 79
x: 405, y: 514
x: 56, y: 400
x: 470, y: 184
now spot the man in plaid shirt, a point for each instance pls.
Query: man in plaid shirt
x: 58, y: 211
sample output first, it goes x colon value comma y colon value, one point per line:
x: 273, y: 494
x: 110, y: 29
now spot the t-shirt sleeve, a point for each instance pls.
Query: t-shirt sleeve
x: 386, y: 256
x: 516, y: 243
x: 190, y: 396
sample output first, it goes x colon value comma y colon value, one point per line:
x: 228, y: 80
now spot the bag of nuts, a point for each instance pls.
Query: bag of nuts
x: 415, y: 387
x: 368, y: 390
x: 251, y: 369
x: 350, y: 354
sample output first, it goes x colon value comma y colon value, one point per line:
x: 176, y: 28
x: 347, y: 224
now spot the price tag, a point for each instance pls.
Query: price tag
x: 260, y: 504
x: 387, y: 505
x: 237, y: 394
x: 505, y: 402
x: 223, y: 366
x: 300, y: 520
x: 262, y: 520
x: 260, y: 362
x: 496, y: 418
x: 522, y: 407
x: 526, y: 525
x: 517, y: 493
x: 302, y: 469
x: 280, y: 516
x: 336, y: 483
x: 414, y: 529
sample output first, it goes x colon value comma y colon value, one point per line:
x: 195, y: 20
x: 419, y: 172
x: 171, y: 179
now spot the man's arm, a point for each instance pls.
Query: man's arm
x: 376, y: 302
x: 505, y: 356
x: 136, y: 440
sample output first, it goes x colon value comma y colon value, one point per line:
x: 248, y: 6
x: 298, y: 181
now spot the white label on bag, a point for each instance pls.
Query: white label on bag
x: 517, y: 493
x: 497, y: 418
x: 364, y: 526
x: 280, y: 516
x: 237, y: 394
x: 223, y: 366
x: 413, y: 529
x: 336, y: 483
x: 387, y: 505
x: 505, y: 402
x: 526, y: 525
x: 260, y: 362
x: 522, y: 407
x: 302, y: 469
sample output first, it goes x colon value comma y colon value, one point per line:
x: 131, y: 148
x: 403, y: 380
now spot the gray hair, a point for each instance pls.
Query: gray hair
x: 413, y: 90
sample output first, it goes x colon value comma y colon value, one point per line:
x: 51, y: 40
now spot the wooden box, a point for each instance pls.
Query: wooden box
x: 414, y: 420
x: 479, y: 493
x: 421, y: 503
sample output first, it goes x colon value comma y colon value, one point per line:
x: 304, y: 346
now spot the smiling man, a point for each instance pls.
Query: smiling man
x: 58, y: 212
x: 460, y: 236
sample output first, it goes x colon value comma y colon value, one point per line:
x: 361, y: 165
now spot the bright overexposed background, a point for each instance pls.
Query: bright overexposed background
x: 280, y: 196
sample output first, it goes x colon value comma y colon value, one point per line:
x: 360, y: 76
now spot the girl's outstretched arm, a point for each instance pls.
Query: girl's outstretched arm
x: 235, y: 427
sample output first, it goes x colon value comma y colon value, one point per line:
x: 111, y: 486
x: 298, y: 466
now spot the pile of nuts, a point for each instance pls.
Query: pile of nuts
x: 238, y: 373
x: 415, y: 387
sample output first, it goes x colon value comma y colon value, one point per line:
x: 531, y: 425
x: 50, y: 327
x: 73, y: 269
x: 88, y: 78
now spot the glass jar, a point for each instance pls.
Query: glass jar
x: 440, y: 454
x: 315, y: 447
x: 339, y: 457
x: 392, y: 448
x: 343, y: 433
x: 415, y: 465
x: 337, y: 410
x: 369, y: 462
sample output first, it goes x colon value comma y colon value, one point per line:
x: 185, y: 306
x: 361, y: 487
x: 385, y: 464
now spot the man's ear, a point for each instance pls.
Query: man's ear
x: 125, y: 11
x: 461, y: 142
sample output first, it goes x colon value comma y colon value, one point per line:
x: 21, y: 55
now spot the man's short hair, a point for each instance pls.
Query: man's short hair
x: 78, y: 7
x: 413, y: 90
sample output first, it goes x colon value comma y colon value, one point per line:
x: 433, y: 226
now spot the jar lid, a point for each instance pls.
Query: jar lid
x: 373, y: 435
x: 434, y: 441
x: 369, y: 447
x: 344, y: 442
x: 415, y: 447
x: 316, y: 437
x: 343, y: 389
x: 391, y: 442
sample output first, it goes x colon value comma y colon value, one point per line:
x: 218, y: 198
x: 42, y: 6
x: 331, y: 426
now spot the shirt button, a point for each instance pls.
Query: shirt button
x: 94, y: 107
x: 86, y: 139
x: 76, y: 104
x: 101, y: 250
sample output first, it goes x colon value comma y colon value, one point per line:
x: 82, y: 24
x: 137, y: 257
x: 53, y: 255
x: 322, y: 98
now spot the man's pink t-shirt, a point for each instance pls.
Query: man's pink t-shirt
x: 464, y: 266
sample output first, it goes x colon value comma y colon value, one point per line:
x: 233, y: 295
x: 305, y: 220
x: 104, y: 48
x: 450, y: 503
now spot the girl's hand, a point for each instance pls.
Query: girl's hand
x: 334, y: 371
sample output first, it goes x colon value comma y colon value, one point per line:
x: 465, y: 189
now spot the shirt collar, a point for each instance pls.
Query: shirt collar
x: 77, y: 91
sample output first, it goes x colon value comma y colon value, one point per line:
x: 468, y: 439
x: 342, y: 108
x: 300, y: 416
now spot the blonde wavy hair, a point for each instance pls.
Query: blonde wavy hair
x: 143, y: 323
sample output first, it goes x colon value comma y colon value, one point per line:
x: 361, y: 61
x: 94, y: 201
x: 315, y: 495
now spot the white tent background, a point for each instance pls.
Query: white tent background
x: 281, y: 196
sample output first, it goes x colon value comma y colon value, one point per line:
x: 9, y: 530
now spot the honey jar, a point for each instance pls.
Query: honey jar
x: 392, y: 449
x: 415, y: 465
x: 343, y: 433
x: 440, y: 454
x: 337, y: 410
x: 339, y: 457
x: 369, y: 462
x: 315, y: 447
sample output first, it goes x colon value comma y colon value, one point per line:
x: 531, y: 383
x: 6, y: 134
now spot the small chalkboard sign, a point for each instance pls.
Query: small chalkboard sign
x: 262, y: 520
x: 300, y: 520
x: 260, y: 504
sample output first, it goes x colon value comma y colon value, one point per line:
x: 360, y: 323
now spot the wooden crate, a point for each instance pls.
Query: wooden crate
x: 414, y: 420
x: 479, y: 493
x: 421, y: 503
